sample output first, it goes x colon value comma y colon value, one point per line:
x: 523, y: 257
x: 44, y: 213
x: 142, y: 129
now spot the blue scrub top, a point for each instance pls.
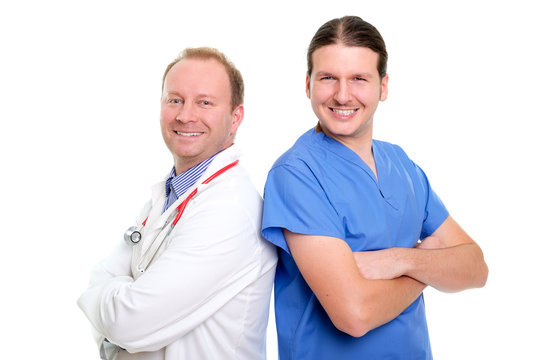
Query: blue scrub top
x: 321, y: 187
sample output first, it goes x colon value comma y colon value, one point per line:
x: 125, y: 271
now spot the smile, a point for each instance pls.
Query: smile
x: 188, y: 133
x: 344, y: 112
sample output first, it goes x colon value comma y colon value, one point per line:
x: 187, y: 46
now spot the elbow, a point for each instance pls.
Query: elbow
x: 133, y: 333
x: 353, y: 322
x: 482, y: 270
x: 471, y: 279
x: 474, y: 274
x: 352, y: 327
x: 356, y: 330
x: 482, y: 276
x: 130, y: 331
x: 120, y: 335
x: 128, y: 340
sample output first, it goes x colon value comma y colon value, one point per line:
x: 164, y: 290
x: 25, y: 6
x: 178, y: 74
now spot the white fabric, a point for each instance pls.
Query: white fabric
x: 206, y: 294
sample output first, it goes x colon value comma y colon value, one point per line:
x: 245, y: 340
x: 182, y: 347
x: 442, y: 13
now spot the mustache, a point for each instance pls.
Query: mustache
x: 348, y: 105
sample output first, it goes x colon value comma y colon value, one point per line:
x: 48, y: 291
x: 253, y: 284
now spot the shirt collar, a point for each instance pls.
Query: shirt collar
x: 181, y: 182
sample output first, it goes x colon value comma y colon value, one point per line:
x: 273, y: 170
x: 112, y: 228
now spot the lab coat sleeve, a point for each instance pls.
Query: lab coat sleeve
x: 116, y: 264
x: 212, y: 256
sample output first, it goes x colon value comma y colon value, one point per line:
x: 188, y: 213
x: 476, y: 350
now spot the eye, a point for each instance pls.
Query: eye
x: 205, y: 103
x: 327, y: 77
x: 358, y: 78
x: 174, y: 101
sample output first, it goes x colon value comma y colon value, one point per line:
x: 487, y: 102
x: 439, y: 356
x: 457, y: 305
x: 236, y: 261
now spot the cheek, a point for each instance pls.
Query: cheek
x: 167, y: 115
x: 165, y: 119
x: 375, y: 98
x: 226, y: 126
x: 369, y: 96
x: 319, y: 95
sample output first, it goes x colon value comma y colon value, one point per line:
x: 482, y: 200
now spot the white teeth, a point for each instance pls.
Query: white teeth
x: 343, y: 112
x: 188, y: 134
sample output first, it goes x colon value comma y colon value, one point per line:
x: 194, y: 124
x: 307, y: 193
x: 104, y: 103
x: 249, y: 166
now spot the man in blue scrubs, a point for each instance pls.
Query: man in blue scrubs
x: 347, y: 213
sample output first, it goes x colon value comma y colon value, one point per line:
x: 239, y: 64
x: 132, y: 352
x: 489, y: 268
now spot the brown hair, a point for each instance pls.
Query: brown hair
x: 349, y: 31
x: 205, y: 53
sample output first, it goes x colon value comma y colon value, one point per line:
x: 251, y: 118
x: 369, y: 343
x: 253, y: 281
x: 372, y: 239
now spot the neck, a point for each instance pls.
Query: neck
x: 360, y: 144
x: 183, y: 164
x: 365, y: 151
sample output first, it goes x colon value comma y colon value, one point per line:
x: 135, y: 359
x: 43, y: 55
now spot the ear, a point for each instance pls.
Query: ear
x: 384, y: 88
x: 237, y: 117
x: 308, y: 92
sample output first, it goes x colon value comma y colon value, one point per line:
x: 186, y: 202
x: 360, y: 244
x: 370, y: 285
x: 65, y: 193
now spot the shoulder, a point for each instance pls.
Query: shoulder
x: 391, y: 149
x: 394, y: 155
x: 296, y: 196
x: 230, y: 183
x: 233, y: 189
x: 306, y: 153
x: 229, y: 208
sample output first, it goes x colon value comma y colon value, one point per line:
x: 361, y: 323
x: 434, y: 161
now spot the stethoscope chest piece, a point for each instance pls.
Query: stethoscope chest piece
x: 132, y: 236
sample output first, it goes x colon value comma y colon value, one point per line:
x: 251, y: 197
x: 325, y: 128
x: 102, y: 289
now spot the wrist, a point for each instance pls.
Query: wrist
x: 404, y: 258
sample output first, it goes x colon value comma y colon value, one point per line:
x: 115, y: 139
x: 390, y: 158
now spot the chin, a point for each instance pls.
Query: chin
x: 339, y: 129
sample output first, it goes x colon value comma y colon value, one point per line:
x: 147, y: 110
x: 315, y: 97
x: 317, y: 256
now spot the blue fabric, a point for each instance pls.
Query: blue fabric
x: 176, y: 186
x: 321, y: 187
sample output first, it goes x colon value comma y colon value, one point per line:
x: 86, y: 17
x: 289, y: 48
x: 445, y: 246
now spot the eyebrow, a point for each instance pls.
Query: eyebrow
x: 167, y: 93
x: 323, y: 73
x: 206, y: 96
x: 364, y: 75
x: 361, y: 74
x: 176, y: 93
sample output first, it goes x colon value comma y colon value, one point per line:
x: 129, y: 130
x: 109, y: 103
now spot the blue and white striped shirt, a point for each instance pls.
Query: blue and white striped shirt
x: 177, y: 185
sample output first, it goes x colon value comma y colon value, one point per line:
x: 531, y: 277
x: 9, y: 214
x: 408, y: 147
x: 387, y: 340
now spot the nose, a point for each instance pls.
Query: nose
x: 186, y: 113
x: 342, y: 94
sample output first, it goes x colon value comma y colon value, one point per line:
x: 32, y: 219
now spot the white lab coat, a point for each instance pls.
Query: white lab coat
x: 206, y: 295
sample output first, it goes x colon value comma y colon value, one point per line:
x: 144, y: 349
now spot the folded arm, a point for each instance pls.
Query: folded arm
x: 354, y: 304
x: 449, y: 261
x: 200, y: 271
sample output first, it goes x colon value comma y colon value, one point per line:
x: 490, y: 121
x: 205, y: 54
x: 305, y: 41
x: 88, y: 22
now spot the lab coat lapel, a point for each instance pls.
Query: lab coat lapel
x: 156, y: 220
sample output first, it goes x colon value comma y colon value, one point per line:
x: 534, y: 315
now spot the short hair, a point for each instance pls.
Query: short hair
x: 349, y: 31
x: 206, y: 53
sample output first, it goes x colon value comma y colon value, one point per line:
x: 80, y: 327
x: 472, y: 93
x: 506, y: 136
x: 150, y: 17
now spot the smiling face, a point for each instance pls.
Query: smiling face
x: 196, y: 116
x: 345, y: 89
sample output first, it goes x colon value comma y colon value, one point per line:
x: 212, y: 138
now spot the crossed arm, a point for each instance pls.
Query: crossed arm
x: 178, y: 292
x: 357, y: 290
x: 449, y: 261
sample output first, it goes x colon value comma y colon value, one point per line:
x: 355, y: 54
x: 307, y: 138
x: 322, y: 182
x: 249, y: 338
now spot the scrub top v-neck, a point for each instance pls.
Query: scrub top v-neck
x: 381, y: 162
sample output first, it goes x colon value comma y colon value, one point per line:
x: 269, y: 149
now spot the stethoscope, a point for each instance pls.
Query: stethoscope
x: 133, y: 234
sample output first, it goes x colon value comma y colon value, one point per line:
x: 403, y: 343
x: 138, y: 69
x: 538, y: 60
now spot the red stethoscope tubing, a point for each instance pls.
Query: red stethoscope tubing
x: 184, y: 203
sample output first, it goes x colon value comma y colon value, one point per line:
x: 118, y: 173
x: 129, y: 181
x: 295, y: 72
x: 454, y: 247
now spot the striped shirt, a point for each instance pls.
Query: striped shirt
x: 177, y: 185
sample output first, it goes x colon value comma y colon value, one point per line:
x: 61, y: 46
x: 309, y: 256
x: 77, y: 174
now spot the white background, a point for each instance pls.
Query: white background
x: 80, y: 87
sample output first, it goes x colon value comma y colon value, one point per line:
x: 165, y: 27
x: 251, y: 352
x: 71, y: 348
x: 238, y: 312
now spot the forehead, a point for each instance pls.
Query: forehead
x: 198, y: 76
x: 338, y: 58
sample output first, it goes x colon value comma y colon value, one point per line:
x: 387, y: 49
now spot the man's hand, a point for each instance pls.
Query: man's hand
x: 380, y: 265
x: 390, y: 263
x: 355, y: 304
x: 449, y: 261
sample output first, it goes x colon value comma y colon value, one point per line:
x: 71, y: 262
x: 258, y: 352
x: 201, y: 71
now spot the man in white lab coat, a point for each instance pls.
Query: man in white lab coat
x: 197, y: 284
